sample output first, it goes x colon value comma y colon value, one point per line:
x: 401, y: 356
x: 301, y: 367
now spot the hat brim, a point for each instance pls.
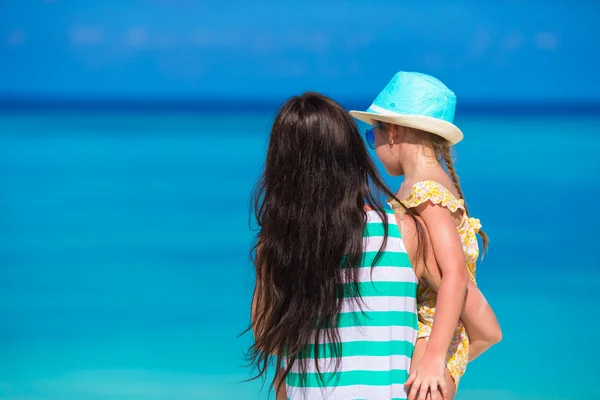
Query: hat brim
x: 439, y: 127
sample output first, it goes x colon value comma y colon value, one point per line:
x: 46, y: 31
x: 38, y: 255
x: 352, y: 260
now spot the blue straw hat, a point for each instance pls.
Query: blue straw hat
x: 417, y: 101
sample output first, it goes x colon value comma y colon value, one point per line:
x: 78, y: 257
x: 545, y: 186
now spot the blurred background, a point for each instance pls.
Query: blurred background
x: 132, y: 132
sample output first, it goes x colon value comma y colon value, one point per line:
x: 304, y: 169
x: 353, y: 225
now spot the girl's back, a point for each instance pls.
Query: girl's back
x: 435, y: 193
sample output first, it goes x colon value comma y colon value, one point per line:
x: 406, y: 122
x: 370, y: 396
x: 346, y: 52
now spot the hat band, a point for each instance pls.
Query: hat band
x: 380, y: 110
x: 375, y: 109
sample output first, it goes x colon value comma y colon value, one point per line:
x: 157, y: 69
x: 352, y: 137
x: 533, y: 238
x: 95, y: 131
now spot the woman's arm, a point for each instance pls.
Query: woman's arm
x: 259, y: 314
x: 257, y: 319
x: 256, y: 308
x: 279, y: 386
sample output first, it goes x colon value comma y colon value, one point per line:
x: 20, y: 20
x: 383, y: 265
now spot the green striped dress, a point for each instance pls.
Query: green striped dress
x: 377, y: 343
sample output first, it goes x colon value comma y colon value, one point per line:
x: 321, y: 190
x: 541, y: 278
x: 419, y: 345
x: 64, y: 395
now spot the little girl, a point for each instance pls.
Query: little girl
x: 412, y: 132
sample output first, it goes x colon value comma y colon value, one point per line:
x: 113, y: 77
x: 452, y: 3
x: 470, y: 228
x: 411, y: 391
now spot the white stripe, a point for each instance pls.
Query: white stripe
x: 373, y: 334
x: 373, y: 217
x: 357, y: 363
x: 383, y: 303
x: 386, y: 274
x: 373, y: 243
x: 395, y: 391
x: 383, y: 111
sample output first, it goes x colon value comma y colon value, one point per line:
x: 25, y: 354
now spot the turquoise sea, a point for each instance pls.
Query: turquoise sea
x: 124, y: 267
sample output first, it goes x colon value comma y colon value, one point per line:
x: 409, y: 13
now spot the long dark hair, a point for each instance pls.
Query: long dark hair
x: 310, y: 207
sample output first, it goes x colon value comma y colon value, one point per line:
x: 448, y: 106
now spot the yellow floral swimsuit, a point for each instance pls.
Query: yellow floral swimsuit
x: 421, y: 192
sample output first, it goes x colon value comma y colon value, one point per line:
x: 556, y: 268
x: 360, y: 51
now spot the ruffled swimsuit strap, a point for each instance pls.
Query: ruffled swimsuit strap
x: 432, y: 191
x: 474, y: 223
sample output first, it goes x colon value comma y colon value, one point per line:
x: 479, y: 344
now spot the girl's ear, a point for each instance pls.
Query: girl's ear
x: 395, y: 133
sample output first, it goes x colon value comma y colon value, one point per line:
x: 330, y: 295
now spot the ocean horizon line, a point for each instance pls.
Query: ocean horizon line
x: 225, y: 106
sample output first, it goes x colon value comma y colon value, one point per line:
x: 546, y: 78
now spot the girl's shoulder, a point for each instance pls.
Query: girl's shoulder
x: 432, y: 191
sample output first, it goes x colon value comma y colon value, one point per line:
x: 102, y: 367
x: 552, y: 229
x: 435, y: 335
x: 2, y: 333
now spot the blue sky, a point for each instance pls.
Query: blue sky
x: 169, y: 49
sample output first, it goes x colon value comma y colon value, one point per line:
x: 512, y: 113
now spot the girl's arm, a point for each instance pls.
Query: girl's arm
x: 480, y: 322
x: 447, y: 249
x: 477, y: 315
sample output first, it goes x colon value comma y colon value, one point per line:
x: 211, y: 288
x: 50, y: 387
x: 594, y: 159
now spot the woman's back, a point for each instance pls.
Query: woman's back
x: 334, y: 305
x: 377, y: 330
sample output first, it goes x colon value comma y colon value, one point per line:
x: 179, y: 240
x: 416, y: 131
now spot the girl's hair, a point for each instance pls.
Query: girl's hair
x: 443, y: 152
x: 310, y: 206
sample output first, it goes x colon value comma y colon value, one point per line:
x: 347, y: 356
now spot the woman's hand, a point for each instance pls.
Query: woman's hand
x: 426, y: 378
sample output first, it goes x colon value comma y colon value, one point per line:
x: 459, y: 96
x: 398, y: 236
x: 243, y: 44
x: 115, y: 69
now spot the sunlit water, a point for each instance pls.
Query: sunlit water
x: 124, y: 254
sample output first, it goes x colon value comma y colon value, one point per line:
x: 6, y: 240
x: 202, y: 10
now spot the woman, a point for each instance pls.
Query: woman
x: 334, y: 305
